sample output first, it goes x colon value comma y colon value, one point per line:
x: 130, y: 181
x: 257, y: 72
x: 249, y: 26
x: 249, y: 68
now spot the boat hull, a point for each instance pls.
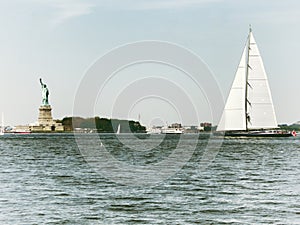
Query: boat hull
x: 172, y: 132
x: 276, y: 133
x: 22, y: 132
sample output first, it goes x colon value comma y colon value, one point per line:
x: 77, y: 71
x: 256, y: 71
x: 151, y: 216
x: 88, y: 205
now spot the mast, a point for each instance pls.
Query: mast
x: 247, y: 74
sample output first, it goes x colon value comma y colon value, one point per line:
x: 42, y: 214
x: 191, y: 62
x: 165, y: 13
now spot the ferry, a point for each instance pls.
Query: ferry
x: 172, y: 130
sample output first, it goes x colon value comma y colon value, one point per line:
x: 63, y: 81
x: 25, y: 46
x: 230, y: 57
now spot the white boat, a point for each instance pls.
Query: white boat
x: 170, y: 130
x: 249, y: 109
x: 2, y: 130
x: 154, y: 130
x: 21, y: 131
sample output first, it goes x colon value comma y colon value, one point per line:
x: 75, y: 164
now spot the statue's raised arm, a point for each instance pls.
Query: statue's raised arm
x: 41, y: 82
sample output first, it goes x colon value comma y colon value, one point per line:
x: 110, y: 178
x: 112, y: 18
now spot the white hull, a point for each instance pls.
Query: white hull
x: 152, y: 131
x: 172, y: 131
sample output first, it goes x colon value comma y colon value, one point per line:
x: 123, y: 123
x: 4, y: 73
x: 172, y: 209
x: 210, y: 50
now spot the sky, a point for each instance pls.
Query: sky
x: 60, y: 41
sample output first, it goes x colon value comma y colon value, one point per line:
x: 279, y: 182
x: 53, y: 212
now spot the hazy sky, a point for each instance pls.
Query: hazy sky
x: 59, y: 40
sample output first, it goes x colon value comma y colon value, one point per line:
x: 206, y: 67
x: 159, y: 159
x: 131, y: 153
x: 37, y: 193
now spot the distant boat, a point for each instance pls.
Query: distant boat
x: 249, y: 109
x: 154, y: 130
x: 2, y: 130
x: 170, y: 130
x: 22, y: 132
x: 119, y: 129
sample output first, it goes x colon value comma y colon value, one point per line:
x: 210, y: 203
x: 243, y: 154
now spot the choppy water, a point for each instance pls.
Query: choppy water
x: 44, y: 179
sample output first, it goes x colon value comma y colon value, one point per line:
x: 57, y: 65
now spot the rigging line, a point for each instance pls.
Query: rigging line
x: 249, y: 102
x: 249, y: 85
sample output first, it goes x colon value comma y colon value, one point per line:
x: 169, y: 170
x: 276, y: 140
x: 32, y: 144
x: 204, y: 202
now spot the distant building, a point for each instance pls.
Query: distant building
x: 206, y: 126
x: 176, y: 125
x: 191, y: 130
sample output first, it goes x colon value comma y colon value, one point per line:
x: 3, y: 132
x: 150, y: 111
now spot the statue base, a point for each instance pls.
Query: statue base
x: 45, y: 121
x: 45, y: 115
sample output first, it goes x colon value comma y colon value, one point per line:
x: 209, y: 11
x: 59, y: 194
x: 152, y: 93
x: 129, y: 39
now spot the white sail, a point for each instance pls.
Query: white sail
x: 119, y: 129
x: 234, y: 116
x: 250, y: 95
x: 260, y: 108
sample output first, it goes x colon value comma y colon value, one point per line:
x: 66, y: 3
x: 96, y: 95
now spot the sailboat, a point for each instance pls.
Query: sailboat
x: 249, y: 109
x: 2, y: 126
x: 119, y: 129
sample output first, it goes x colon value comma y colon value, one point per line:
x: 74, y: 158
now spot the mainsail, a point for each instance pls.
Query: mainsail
x: 249, y: 105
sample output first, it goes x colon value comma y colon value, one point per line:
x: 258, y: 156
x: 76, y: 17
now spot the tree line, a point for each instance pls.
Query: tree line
x: 102, y: 125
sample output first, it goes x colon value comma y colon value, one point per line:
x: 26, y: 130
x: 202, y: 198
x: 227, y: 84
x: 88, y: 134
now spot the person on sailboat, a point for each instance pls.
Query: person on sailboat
x: 45, y: 93
x: 248, y: 118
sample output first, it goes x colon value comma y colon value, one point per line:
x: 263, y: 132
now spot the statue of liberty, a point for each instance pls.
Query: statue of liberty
x: 45, y: 93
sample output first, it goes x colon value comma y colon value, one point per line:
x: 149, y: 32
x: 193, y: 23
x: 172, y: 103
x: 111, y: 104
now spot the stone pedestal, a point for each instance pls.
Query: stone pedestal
x: 45, y: 116
x: 46, y: 122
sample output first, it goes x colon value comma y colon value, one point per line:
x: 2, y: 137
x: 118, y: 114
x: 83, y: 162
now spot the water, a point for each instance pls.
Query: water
x: 45, y: 180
